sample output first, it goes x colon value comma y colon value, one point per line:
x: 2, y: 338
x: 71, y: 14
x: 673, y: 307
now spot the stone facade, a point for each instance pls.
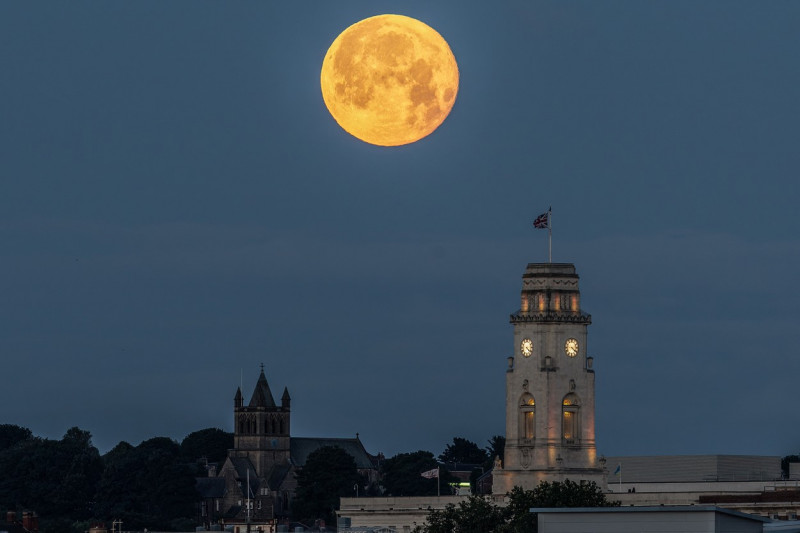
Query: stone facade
x: 550, y: 434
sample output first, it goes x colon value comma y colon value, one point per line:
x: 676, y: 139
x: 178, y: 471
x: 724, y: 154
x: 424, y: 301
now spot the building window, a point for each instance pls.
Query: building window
x: 527, y: 417
x: 570, y: 419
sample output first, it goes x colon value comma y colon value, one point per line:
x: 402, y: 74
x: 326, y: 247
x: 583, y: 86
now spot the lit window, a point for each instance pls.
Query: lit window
x: 527, y: 426
x: 570, y: 419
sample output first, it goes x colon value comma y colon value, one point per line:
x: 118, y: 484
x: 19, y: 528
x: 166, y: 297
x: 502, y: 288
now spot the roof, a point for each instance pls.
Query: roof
x: 694, y: 468
x: 276, y: 476
x: 242, y: 465
x: 658, y: 509
x: 210, y: 487
x: 301, y: 448
x: 262, y: 396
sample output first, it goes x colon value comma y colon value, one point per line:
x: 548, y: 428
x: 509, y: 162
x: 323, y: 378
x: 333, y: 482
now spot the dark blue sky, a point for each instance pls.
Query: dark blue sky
x: 177, y: 206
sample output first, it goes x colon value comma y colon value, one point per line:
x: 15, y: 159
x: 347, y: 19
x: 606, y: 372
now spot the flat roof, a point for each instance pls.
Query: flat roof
x: 652, y: 509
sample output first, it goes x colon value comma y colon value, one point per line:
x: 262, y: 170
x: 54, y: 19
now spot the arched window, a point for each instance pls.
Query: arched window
x: 527, y: 417
x: 570, y: 419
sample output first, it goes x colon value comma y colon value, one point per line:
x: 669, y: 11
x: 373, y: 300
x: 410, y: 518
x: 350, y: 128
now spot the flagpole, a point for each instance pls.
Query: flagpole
x: 550, y: 234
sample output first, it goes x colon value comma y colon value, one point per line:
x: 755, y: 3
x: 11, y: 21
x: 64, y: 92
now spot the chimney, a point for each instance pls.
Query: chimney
x: 30, y: 521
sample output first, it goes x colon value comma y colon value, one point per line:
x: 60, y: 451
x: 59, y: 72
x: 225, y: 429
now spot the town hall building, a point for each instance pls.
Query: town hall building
x: 549, y: 386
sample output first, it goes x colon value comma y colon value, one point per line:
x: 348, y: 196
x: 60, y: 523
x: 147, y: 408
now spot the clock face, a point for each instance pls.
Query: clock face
x: 571, y: 347
x: 526, y: 347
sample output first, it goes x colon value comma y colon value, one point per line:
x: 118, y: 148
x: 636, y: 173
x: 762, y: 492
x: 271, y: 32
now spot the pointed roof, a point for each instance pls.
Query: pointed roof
x: 238, y: 395
x: 286, y: 394
x: 262, y: 396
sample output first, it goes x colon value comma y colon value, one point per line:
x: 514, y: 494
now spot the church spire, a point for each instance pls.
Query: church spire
x: 262, y: 396
x: 237, y: 400
x: 285, y: 399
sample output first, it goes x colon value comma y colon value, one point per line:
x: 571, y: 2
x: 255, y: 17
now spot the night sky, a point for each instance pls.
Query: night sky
x: 177, y: 207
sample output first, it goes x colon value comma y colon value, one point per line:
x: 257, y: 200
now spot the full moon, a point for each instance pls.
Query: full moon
x: 389, y: 80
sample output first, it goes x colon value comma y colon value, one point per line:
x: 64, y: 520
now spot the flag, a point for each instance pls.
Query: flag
x: 618, y: 471
x: 430, y: 474
x: 542, y: 221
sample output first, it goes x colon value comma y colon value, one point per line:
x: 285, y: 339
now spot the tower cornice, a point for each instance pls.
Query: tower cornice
x: 551, y: 318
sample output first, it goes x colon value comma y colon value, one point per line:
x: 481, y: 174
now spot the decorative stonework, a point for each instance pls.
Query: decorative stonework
x: 551, y: 317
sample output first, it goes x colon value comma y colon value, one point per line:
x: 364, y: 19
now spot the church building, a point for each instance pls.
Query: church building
x: 549, y: 386
x: 256, y: 482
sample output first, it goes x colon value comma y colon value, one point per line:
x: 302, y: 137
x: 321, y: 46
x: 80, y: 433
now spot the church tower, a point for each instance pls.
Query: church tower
x: 549, y: 386
x: 261, y: 428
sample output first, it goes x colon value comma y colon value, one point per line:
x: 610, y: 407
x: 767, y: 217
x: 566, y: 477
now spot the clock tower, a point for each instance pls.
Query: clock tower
x: 549, y: 386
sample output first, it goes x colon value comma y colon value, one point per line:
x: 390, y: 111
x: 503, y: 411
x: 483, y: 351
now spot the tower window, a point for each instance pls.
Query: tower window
x: 527, y: 417
x: 570, y: 419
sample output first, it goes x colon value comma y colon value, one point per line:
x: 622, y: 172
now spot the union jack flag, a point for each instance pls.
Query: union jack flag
x: 542, y: 221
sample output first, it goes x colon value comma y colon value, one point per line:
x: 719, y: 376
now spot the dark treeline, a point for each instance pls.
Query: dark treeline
x: 69, y: 485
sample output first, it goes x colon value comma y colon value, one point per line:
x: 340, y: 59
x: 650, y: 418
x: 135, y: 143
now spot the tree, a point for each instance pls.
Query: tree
x: 83, y: 468
x: 147, y: 486
x: 211, y: 443
x: 402, y: 475
x: 329, y: 473
x: 11, y: 435
x: 496, y: 447
x: 475, y: 515
x: 516, y: 516
x: 56, y: 478
x: 463, y: 451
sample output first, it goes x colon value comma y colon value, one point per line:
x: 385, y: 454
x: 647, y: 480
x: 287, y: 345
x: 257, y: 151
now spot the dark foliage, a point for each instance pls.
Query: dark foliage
x: 463, y: 451
x: 496, y: 447
x: 55, y: 478
x: 11, y: 435
x: 147, y: 486
x: 329, y: 473
x: 401, y: 475
x: 480, y: 515
x: 475, y: 515
x: 211, y: 443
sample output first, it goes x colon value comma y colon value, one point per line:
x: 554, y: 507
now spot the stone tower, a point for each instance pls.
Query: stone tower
x: 549, y: 386
x: 261, y: 428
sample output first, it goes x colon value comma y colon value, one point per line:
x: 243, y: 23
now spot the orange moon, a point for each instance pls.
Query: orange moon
x: 389, y: 80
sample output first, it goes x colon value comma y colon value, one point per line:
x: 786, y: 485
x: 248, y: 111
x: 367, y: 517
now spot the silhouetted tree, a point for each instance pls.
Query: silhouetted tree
x: 479, y: 515
x: 211, y: 443
x: 329, y: 473
x: 11, y: 435
x: 147, y: 486
x: 475, y: 515
x: 463, y: 451
x: 401, y: 475
x: 55, y: 478
x: 496, y: 447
